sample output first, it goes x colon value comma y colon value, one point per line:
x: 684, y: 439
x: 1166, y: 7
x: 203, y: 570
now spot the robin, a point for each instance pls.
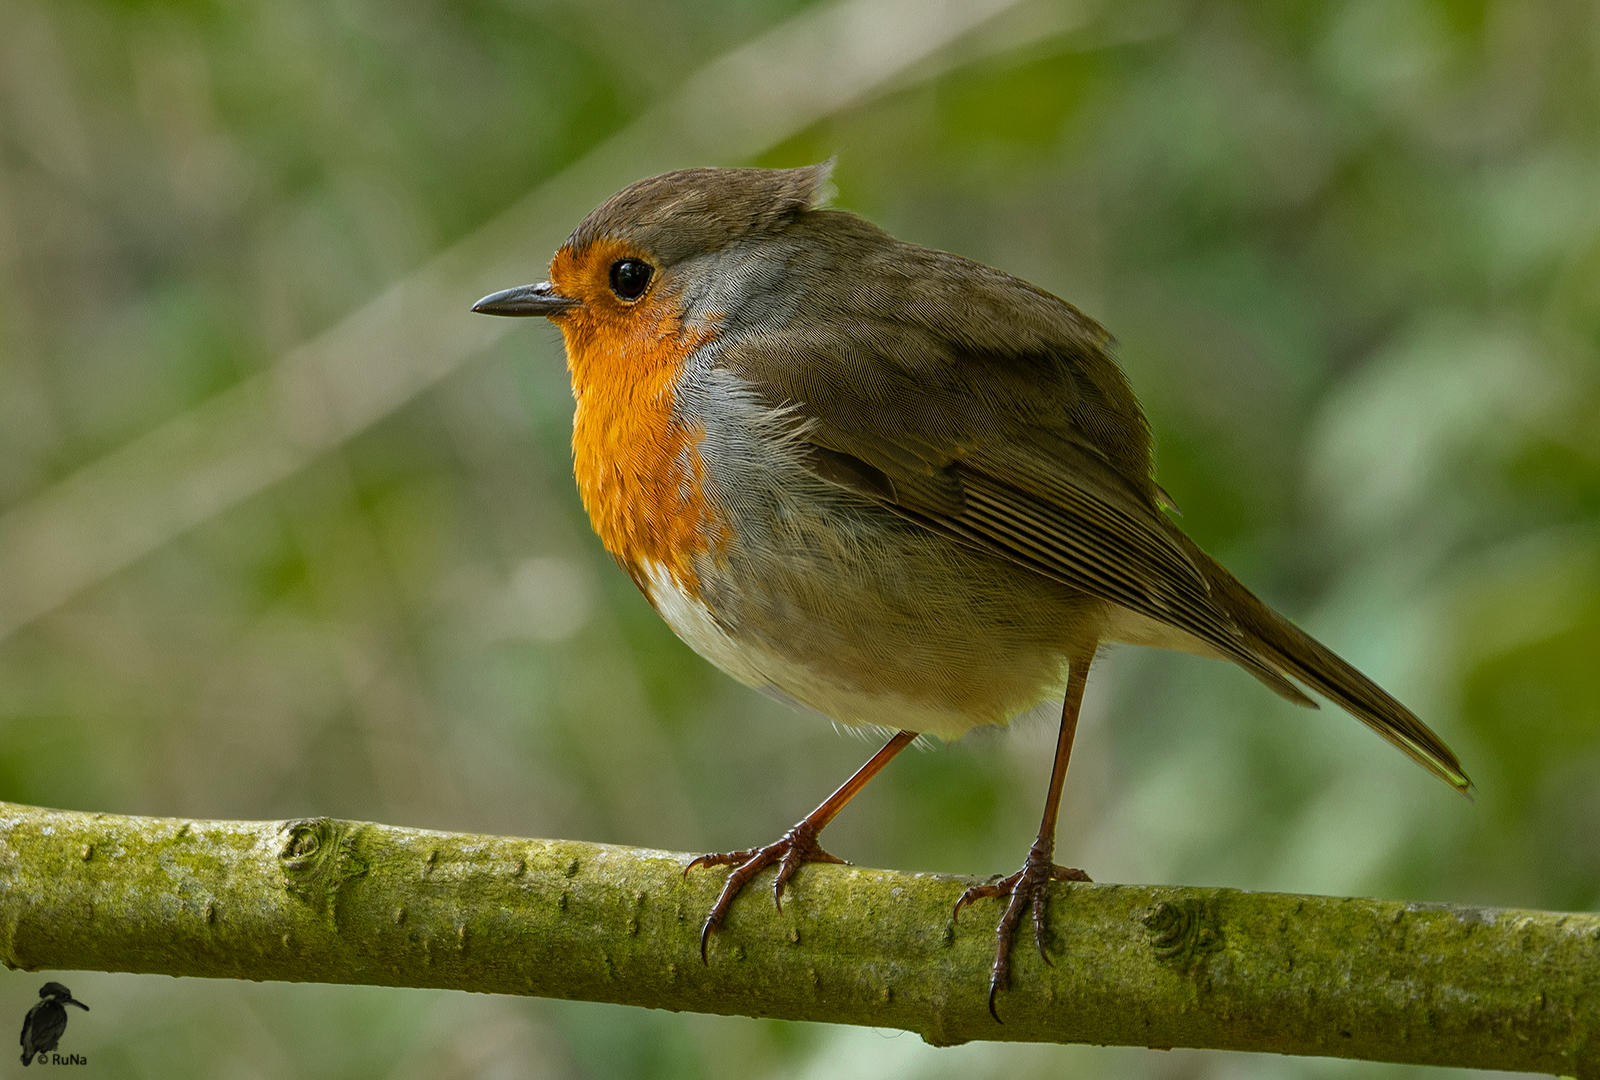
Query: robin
x: 884, y: 483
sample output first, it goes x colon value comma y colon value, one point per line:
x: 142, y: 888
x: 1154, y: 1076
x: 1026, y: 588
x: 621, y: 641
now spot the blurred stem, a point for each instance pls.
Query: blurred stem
x: 348, y: 902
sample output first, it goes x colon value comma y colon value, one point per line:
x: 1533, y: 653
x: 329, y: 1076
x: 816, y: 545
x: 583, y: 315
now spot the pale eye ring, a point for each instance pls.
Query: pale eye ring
x: 630, y: 278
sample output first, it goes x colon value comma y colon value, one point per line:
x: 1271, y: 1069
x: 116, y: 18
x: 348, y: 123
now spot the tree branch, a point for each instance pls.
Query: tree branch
x: 350, y: 902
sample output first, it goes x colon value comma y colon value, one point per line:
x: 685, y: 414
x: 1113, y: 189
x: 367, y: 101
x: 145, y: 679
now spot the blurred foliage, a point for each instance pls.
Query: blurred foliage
x: 1352, y: 253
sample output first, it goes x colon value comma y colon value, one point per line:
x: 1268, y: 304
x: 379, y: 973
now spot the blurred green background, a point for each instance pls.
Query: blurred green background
x: 1352, y: 254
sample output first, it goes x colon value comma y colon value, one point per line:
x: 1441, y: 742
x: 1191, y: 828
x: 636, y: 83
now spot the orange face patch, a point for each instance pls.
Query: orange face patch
x: 638, y: 468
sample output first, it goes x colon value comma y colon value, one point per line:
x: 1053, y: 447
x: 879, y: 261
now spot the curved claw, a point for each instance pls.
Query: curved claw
x: 797, y: 851
x: 711, y: 924
x: 981, y: 892
x: 798, y: 855
x: 726, y: 858
x: 1038, y: 928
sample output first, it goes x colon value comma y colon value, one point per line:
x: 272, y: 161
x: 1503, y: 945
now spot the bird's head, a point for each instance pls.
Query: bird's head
x: 653, y: 261
x: 54, y: 991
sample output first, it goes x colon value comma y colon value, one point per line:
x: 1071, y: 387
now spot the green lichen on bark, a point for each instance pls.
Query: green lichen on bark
x: 334, y: 901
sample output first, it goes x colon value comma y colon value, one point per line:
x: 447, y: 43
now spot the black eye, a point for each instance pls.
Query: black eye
x: 629, y: 278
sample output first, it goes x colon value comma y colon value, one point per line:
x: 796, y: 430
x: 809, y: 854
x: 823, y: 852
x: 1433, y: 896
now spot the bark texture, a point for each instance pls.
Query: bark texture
x: 321, y: 900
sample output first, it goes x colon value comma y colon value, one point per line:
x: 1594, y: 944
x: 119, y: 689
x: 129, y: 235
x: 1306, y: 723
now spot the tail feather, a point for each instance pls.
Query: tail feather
x: 1294, y: 652
x: 1314, y: 664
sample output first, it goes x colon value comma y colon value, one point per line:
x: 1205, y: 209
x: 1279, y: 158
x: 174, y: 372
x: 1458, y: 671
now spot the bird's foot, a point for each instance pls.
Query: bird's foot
x: 1027, y: 888
x: 798, y: 845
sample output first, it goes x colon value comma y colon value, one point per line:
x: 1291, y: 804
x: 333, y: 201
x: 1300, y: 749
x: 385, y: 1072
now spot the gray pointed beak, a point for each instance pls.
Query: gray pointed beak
x: 540, y: 299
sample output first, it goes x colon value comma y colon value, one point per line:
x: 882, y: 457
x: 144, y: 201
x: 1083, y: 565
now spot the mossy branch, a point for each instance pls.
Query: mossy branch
x: 351, y: 902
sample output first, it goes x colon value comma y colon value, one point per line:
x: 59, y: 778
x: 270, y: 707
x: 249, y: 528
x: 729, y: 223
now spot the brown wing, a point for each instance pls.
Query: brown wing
x: 981, y: 407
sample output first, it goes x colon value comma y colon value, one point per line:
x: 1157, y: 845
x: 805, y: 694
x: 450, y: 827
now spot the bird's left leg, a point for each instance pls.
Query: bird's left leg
x: 1029, y: 887
x: 798, y: 845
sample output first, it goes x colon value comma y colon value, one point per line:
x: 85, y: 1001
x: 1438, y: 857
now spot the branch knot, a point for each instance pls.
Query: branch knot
x: 319, y: 856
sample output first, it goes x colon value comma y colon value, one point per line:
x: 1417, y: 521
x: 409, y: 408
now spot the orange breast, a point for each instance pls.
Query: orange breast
x: 638, y: 467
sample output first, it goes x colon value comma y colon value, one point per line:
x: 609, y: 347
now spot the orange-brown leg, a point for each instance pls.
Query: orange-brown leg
x: 798, y: 845
x: 1030, y: 886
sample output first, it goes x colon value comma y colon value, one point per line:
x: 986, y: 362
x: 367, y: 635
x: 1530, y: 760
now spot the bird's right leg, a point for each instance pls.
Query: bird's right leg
x: 798, y: 845
x: 1029, y: 887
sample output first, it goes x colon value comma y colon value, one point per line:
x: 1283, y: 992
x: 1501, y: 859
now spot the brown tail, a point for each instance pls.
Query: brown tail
x: 1296, y: 653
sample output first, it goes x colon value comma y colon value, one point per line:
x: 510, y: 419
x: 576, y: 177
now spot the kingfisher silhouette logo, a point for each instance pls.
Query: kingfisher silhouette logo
x: 45, y: 1024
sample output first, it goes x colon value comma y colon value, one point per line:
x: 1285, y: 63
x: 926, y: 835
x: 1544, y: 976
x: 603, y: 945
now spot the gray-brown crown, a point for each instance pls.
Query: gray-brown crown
x: 679, y: 214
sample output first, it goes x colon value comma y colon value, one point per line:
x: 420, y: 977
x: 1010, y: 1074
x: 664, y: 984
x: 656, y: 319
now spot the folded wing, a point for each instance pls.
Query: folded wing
x: 980, y: 407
